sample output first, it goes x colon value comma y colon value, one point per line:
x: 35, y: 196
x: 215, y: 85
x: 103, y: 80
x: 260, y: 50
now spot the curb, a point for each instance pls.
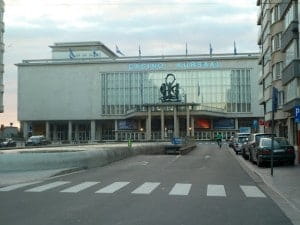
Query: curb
x: 80, y: 159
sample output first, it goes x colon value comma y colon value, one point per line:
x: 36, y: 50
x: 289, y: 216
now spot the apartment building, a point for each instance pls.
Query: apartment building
x: 279, y: 43
x: 1, y: 55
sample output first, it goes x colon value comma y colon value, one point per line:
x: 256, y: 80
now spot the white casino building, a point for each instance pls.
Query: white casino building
x: 85, y: 92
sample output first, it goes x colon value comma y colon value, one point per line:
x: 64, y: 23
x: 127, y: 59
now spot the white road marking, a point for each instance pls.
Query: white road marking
x: 16, y: 186
x: 79, y: 187
x: 216, y: 190
x: 47, y: 186
x: 180, y: 189
x: 113, y: 187
x: 145, y: 188
x: 207, y: 157
x: 252, y: 192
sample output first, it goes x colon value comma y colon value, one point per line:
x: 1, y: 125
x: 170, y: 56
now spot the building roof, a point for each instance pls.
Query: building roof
x: 67, y: 45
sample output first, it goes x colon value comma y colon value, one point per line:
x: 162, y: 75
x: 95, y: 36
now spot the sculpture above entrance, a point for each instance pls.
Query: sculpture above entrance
x: 170, y: 89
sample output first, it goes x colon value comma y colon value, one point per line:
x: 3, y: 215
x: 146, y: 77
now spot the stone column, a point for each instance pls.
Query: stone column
x: 162, y: 124
x: 47, y: 130
x: 70, y: 131
x: 93, y: 131
x: 236, y: 123
x: 54, y: 132
x: 193, y: 126
x: 290, y: 131
x: 176, y: 130
x: 77, y: 132
x: 188, y: 132
x: 148, y: 124
x: 116, y: 130
x: 99, y: 128
x: 25, y: 130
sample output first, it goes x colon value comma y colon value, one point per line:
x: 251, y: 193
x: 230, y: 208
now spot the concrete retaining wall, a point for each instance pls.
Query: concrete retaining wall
x: 79, y: 159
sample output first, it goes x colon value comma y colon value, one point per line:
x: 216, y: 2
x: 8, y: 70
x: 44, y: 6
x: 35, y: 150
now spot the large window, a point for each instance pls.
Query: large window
x: 292, y: 90
x: 268, y: 80
x: 277, y: 71
x: 214, y: 90
x: 289, y: 16
x: 275, y: 12
x: 280, y: 99
x: 269, y: 106
x: 291, y: 52
x: 276, y: 42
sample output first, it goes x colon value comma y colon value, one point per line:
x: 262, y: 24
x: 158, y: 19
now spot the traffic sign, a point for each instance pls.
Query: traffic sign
x: 297, y: 113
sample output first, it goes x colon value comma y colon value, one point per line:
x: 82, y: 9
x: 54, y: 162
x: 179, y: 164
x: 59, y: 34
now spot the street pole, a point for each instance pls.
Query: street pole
x: 272, y: 144
x: 274, y: 109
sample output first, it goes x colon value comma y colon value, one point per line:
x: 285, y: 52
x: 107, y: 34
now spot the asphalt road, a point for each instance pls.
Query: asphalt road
x: 207, y: 186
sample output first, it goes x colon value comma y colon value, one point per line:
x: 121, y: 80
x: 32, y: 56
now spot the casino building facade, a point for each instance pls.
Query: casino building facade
x: 86, y: 92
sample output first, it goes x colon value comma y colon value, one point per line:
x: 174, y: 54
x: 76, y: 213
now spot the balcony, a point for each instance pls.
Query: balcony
x: 284, y: 7
x: 291, y: 71
x: 289, y: 106
x: 259, y: 38
x: 259, y: 16
x: 289, y: 34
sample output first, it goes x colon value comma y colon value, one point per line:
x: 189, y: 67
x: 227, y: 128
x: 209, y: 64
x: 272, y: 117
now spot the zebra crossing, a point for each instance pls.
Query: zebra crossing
x: 178, y: 189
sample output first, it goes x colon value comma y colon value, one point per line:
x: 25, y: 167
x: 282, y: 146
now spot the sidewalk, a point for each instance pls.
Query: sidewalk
x: 285, y: 183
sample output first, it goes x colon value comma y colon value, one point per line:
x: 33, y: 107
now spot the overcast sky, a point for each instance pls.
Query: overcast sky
x: 159, y: 27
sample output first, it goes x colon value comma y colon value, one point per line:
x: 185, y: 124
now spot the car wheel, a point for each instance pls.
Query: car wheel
x: 259, y: 162
x: 250, y: 157
x: 245, y: 156
x: 291, y: 163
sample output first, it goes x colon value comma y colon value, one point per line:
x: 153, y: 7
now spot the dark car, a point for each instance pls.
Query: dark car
x: 8, y: 143
x: 283, y: 151
x: 252, y: 143
x: 37, y: 140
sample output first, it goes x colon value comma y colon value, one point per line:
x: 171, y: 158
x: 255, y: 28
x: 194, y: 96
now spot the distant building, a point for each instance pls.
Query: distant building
x: 1, y: 55
x: 8, y: 132
x: 87, y: 92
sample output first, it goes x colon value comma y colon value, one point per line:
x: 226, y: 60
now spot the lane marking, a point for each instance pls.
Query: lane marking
x: 146, y: 188
x: 79, y: 187
x: 112, y: 187
x: 252, y: 192
x: 47, y: 186
x: 180, y: 189
x: 16, y: 186
x: 216, y: 190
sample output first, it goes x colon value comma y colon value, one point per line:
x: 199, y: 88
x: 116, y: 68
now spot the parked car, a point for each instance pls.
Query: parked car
x: 37, y: 140
x: 239, y: 142
x: 283, y: 151
x: 252, y: 143
x: 8, y: 142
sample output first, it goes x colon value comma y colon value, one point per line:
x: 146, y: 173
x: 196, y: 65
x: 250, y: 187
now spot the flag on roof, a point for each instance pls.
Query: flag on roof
x: 71, y: 54
x: 234, y: 48
x: 118, y: 50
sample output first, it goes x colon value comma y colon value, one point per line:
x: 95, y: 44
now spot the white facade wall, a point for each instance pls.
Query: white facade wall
x: 72, y: 91
x: 59, y: 92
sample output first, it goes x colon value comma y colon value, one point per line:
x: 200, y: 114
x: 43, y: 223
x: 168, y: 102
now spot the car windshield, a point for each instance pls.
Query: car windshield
x: 242, y: 139
x: 258, y: 137
x: 267, y: 142
x: 282, y: 141
x: 34, y: 138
